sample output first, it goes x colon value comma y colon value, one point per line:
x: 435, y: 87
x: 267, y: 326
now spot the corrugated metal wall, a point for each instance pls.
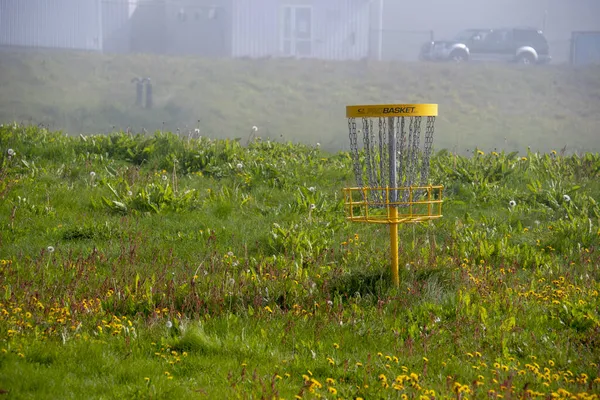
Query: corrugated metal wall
x: 342, y: 30
x: 70, y: 24
x: 585, y: 48
x: 339, y: 29
x: 255, y: 28
x: 67, y: 24
x: 116, y: 27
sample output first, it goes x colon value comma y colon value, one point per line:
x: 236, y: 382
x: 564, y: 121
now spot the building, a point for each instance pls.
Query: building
x: 64, y: 24
x: 326, y: 29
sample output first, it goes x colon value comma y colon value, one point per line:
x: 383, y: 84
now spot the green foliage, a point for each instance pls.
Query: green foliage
x: 168, y: 267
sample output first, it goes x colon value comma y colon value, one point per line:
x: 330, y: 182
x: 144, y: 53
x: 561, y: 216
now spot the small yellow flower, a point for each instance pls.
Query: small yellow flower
x: 336, y: 346
x: 332, y: 390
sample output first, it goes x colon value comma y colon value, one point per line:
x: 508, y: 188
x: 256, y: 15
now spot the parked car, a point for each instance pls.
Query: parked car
x: 517, y: 45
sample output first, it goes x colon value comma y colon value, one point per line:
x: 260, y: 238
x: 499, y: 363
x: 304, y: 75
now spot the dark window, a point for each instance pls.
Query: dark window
x: 529, y: 36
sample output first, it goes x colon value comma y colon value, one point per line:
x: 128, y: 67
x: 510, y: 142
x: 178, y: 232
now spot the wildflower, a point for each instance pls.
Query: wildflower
x: 512, y: 203
x: 336, y: 346
x: 523, y: 158
x: 566, y: 198
x: 480, y: 152
x: 267, y: 308
x: 332, y: 390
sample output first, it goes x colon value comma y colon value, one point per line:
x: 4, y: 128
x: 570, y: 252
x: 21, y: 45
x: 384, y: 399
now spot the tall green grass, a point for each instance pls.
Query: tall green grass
x: 162, y: 266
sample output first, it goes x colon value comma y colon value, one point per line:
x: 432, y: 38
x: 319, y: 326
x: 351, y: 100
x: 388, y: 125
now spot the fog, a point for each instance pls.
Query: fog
x: 402, y: 21
x: 288, y: 66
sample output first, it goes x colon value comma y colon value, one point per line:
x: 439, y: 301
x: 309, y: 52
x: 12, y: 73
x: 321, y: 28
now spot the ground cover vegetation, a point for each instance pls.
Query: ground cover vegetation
x: 496, y: 106
x: 166, y: 266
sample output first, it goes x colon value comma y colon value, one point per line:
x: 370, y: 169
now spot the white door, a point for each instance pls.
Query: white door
x: 296, y: 33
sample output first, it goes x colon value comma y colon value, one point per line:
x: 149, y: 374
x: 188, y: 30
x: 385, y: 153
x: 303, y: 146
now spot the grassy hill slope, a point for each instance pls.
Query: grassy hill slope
x: 489, y: 106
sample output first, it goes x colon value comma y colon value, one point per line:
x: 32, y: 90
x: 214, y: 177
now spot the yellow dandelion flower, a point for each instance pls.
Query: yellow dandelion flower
x: 332, y: 390
x: 336, y: 346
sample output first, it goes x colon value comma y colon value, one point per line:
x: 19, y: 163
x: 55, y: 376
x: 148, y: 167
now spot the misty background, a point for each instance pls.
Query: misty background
x: 291, y: 66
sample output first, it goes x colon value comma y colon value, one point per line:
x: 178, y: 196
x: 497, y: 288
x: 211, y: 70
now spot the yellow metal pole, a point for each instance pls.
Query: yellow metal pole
x: 393, y: 212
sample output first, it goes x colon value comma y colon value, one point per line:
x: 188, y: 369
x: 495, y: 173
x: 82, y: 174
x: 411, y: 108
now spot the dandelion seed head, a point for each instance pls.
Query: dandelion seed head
x: 512, y: 203
x: 50, y: 249
x: 255, y: 128
x: 164, y: 177
x: 129, y: 193
x: 312, y: 206
x: 312, y: 189
x: 240, y: 166
x: 197, y: 130
x: 92, y: 174
x: 566, y: 198
x: 169, y: 324
x: 11, y: 152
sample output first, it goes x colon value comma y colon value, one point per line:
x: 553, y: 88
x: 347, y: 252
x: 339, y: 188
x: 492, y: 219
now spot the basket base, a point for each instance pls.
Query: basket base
x: 400, y: 205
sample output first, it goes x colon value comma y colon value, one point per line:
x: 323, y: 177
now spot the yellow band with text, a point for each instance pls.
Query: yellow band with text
x: 392, y: 110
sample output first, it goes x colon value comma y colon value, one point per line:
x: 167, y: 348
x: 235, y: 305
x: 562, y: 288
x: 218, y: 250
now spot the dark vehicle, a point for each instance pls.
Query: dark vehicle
x: 517, y: 45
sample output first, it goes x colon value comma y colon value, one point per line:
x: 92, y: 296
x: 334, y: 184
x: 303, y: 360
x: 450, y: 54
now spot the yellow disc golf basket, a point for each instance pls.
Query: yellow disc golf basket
x: 391, y: 168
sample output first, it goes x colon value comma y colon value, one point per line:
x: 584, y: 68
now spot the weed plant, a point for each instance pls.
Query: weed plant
x: 151, y: 266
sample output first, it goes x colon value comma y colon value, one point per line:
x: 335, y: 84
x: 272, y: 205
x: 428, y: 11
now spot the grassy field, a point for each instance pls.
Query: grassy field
x: 151, y: 266
x: 489, y: 106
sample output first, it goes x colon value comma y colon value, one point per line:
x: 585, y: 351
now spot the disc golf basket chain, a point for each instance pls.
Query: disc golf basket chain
x: 391, y: 168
